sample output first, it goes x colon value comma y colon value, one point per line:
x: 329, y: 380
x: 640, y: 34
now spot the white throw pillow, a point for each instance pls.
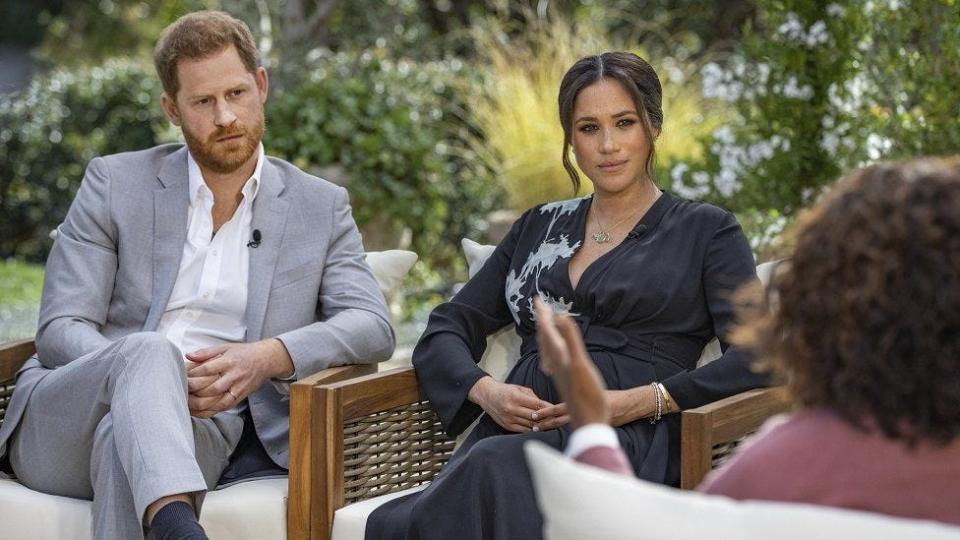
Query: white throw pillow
x: 580, y: 501
x: 390, y: 267
x: 476, y: 254
x: 503, y: 347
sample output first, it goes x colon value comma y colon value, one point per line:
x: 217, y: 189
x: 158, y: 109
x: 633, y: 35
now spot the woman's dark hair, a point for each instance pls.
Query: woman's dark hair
x: 867, y: 314
x: 635, y: 75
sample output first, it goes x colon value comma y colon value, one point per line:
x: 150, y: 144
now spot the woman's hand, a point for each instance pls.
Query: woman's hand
x: 623, y: 406
x: 510, y: 405
x: 564, y: 357
x: 629, y: 405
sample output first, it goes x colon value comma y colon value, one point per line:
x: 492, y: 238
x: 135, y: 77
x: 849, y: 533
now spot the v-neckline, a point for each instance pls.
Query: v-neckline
x: 649, y: 218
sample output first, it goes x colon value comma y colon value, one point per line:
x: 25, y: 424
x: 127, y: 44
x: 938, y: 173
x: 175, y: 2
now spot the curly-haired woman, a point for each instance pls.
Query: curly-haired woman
x: 867, y: 335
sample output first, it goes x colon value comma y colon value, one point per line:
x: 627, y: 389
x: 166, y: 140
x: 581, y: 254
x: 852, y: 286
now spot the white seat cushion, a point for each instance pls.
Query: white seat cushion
x: 27, y: 514
x: 246, y: 511
x: 579, y: 501
x: 350, y: 522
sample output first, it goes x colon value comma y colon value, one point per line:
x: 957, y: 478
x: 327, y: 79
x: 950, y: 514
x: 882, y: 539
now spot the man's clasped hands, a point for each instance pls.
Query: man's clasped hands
x: 219, y: 377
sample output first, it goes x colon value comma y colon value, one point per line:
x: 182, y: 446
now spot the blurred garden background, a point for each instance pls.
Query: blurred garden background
x: 440, y: 116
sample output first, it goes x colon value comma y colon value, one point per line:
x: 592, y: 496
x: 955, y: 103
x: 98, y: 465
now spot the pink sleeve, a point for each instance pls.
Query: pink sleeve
x: 719, y: 482
x: 751, y: 461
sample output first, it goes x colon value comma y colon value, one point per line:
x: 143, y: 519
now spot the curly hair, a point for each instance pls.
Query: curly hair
x: 864, y: 319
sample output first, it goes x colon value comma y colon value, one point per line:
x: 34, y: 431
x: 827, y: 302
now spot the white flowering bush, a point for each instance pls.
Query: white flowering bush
x: 820, y: 88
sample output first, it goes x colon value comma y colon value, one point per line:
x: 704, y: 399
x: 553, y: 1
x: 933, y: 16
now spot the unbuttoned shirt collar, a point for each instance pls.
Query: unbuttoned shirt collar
x: 198, y: 185
x: 209, y: 298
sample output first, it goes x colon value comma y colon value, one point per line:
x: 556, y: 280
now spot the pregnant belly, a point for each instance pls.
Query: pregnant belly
x: 619, y: 372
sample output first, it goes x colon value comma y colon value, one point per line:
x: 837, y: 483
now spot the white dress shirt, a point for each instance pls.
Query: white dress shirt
x: 209, y: 298
x: 589, y: 436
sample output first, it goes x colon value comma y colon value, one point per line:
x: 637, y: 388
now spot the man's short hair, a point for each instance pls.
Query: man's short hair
x: 199, y: 35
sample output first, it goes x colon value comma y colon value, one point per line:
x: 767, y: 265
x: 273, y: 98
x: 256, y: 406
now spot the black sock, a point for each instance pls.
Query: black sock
x: 176, y: 521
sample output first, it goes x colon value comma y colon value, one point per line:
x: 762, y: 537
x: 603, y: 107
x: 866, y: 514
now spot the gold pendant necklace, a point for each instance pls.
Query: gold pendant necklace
x: 602, y: 236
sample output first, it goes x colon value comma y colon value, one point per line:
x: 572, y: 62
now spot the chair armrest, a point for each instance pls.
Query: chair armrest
x: 726, y: 421
x: 12, y: 356
x: 377, y: 435
x: 304, y: 439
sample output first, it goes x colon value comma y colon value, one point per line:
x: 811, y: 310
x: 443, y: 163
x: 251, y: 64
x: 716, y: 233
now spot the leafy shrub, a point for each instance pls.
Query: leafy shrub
x: 820, y: 88
x: 51, y: 129
x: 400, y: 131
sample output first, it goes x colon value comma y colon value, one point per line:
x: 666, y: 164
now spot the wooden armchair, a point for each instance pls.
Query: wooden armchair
x: 305, y: 441
x: 380, y: 436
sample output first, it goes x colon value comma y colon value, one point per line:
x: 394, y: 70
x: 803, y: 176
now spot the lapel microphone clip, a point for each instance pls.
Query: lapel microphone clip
x: 255, y: 243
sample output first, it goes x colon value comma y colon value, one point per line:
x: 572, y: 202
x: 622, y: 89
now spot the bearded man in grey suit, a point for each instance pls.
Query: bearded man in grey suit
x: 184, y: 287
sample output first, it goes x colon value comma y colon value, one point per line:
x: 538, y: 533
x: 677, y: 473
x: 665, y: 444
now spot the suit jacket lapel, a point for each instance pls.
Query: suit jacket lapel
x: 171, y: 202
x: 270, y: 217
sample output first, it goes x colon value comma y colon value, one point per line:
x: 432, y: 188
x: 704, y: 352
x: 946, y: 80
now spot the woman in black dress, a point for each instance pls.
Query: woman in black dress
x: 647, y: 277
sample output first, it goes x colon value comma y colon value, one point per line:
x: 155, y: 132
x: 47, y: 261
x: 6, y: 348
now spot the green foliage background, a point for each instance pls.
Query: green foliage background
x: 401, y: 131
x: 819, y: 88
x: 436, y: 110
x: 49, y: 132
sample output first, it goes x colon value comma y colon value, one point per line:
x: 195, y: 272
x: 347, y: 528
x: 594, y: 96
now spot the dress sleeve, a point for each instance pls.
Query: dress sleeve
x: 447, y: 354
x: 728, y: 264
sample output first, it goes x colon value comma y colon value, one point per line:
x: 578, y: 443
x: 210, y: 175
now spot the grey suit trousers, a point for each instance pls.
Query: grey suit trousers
x: 113, y: 426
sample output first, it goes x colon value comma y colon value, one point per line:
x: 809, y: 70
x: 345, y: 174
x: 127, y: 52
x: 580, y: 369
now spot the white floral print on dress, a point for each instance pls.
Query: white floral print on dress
x: 544, y: 257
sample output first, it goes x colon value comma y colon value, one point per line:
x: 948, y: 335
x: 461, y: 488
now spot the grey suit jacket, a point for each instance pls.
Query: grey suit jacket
x: 117, y: 255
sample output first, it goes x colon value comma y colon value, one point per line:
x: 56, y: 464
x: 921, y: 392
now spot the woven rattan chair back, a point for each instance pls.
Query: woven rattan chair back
x: 393, y: 450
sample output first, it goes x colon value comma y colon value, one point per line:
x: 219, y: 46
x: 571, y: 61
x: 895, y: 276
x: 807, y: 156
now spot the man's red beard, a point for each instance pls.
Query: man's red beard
x: 228, y: 156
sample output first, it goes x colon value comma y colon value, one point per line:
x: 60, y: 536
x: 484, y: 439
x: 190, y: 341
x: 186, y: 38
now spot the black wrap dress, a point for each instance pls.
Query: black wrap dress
x: 646, y: 309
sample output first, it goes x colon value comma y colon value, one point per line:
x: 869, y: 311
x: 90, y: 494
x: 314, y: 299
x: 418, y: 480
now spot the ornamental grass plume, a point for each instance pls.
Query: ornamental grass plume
x: 516, y: 108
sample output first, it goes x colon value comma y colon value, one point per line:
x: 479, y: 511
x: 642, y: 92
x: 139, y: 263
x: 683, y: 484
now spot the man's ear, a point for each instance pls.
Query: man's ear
x: 170, y: 109
x: 263, y: 83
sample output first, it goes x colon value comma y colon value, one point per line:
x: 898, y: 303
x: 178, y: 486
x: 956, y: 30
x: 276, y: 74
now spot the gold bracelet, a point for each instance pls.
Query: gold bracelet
x: 658, y: 412
x: 668, y: 406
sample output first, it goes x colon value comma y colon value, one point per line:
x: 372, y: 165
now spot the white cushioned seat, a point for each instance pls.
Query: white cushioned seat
x: 255, y: 509
x: 27, y: 514
x: 246, y: 511
x: 580, y: 501
x: 350, y: 522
